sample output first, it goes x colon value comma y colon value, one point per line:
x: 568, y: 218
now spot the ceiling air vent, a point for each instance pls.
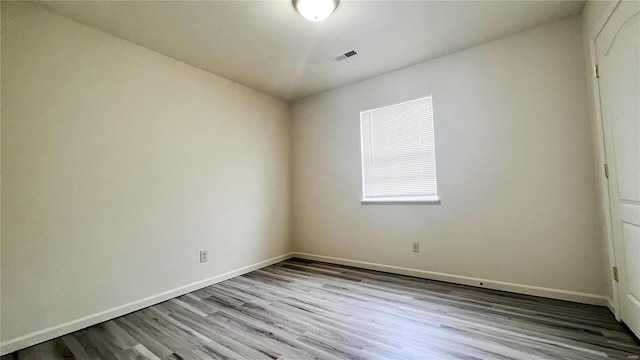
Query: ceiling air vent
x: 346, y: 55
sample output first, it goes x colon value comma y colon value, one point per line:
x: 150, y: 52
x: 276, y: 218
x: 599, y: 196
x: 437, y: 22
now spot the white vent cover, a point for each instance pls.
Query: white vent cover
x: 346, y: 55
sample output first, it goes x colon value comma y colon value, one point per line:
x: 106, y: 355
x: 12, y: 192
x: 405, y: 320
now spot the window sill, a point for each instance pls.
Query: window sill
x: 426, y: 200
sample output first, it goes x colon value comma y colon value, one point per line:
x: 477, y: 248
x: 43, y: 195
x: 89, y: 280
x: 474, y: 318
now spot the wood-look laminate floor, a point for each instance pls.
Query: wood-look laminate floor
x: 309, y: 310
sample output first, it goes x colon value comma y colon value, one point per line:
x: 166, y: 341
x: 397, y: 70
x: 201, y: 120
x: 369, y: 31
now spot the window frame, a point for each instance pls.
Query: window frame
x: 416, y: 199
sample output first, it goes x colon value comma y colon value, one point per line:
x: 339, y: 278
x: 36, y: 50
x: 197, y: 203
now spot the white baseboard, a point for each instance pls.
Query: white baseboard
x: 580, y: 297
x: 22, y: 342
x: 613, y: 309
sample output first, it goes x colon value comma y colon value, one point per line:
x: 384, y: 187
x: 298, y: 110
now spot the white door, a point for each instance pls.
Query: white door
x: 618, y: 56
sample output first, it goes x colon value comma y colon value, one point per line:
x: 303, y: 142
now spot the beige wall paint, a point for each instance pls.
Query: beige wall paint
x: 514, y: 163
x: 119, y: 165
x: 594, y: 16
x: 123, y: 164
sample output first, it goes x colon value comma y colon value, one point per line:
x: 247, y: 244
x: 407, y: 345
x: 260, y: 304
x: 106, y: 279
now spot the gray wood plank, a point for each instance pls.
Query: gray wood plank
x: 301, y: 310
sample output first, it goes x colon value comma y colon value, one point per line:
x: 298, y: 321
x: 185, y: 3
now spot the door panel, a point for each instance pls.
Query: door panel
x: 631, y: 234
x: 618, y: 56
x: 630, y: 213
x: 621, y: 56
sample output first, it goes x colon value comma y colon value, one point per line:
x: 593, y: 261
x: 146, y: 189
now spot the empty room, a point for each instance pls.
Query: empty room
x: 320, y: 179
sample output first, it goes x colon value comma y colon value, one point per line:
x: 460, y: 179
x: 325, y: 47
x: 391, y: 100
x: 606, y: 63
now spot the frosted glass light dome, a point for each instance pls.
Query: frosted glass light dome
x: 315, y: 10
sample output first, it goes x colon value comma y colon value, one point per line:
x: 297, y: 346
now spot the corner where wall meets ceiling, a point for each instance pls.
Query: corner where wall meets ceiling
x: 268, y: 46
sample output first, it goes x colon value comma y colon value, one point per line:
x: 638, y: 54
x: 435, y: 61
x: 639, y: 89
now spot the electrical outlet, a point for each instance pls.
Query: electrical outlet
x: 204, y: 256
x: 415, y: 247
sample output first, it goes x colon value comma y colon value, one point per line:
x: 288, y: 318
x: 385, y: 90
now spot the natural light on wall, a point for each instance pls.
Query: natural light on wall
x: 398, y: 153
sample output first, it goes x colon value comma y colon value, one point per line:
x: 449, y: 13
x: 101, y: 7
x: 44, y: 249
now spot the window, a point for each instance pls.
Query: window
x: 398, y: 153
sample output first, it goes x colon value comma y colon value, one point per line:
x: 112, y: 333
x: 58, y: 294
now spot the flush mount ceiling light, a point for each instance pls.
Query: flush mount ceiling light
x: 315, y: 10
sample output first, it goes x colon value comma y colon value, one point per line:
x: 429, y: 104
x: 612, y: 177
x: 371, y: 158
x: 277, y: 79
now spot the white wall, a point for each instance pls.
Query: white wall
x: 514, y: 162
x: 594, y: 15
x: 119, y: 165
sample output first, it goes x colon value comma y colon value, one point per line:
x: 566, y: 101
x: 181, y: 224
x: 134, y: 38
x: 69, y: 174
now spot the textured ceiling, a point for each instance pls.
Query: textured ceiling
x: 268, y: 46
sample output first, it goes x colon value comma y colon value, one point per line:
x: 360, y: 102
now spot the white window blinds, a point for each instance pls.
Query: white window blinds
x: 398, y: 152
